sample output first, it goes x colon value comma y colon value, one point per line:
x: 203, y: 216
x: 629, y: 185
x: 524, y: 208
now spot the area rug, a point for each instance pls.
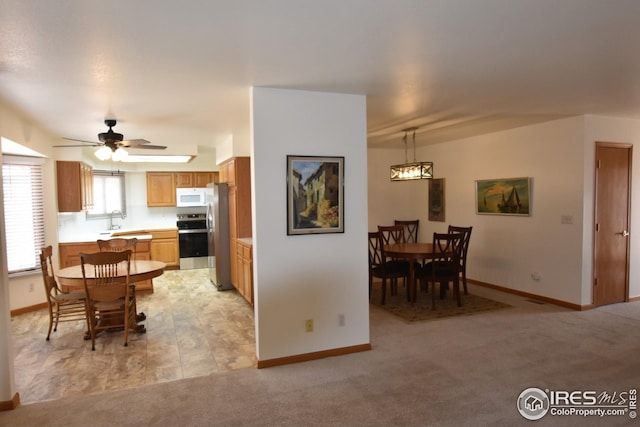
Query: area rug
x: 421, y: 310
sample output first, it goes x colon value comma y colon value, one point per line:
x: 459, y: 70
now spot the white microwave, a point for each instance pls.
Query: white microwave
x: 188, y: 197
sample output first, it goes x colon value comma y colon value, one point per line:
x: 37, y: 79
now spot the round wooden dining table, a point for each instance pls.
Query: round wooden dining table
x: 411, y: 252
x: 71, y: 277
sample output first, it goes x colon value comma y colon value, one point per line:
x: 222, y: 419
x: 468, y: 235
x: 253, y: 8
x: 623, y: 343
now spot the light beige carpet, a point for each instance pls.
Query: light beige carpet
x: 421, y: 310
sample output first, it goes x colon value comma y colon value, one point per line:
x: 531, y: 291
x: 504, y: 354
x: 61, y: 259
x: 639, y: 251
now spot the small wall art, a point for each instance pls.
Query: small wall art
x: 511, y: 196
x: 436, y: 199
x: 315, y: 195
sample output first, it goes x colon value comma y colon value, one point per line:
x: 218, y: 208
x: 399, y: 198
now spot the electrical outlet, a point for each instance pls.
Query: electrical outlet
x: 308, y: 325
x: 341, y: 320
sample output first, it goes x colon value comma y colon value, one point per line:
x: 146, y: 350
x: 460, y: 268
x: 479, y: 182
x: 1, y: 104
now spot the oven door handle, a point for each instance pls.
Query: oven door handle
x: 203, y: 230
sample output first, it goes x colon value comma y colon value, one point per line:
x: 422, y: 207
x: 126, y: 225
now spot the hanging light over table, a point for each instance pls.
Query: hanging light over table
x: 415, y: 170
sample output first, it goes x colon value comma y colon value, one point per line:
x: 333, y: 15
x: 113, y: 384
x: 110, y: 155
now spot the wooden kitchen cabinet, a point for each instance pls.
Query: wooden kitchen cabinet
x: 244, y: 265
x: 69, y: 254
x: 195, y: 179
x: 161, y: 186
x: 161, y: 189
x: 237, y: 173
x: 164, y: 247
x: 201, y: 179
x: 184, y: 179
x: 75, y: 186
x: 228, y: 172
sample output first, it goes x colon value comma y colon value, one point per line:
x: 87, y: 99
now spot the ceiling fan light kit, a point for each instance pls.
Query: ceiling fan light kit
x: 414, y: 170
x: 111, y: 144
x: 106, y: 153
x: 103, y: 153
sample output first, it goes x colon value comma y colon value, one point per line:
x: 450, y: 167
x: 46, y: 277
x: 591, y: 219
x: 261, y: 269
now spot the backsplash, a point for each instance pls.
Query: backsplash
x: 73, y: 226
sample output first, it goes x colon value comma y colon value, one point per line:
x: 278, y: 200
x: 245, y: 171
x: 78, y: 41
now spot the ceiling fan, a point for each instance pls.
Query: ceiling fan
x: 111, y: 143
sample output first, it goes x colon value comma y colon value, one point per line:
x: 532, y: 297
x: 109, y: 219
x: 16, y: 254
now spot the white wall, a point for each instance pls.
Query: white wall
x: 16, y: 292
x: 505, y: 251
x: 28, y: 290
x: 308, y: 276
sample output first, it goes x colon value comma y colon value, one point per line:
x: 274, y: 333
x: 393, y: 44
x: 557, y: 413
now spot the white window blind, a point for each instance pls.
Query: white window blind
x: 23, y: 212
x: 108, y: 193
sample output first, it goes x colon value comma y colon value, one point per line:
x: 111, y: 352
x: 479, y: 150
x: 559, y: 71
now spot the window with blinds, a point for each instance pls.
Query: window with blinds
x: 23, y: 212
x: 108, y: 194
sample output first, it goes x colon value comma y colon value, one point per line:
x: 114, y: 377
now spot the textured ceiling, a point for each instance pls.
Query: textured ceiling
x: 180, y: 71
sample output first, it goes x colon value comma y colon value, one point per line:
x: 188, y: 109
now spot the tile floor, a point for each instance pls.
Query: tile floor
x: 192, y: 330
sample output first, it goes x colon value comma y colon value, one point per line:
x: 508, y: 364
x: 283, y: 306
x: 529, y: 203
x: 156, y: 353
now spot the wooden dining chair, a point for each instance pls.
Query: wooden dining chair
x: 381, y: 268
x: 106, y: 284
x: 410, y: 229
x: 466, y: 232
x: 394, y: 234
x: 444, y: 267
x: 391, y: 234
x: 63, y: 306
x: 119, y: 244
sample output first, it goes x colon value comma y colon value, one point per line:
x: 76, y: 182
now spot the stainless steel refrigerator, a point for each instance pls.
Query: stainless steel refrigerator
x: 218, y: 236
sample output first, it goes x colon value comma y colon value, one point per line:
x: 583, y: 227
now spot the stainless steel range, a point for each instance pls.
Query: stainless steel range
x: 193, y: 242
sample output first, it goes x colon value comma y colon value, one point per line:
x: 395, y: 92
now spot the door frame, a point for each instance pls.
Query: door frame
x: 629, y: 147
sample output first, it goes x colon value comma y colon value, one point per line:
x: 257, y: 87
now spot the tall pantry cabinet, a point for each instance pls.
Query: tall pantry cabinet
x: 236, y: 172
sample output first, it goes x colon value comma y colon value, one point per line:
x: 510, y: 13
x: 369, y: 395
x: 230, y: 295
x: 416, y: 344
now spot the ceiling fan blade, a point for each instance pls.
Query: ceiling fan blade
x: 132, y: 142
x: 76, y: 145
x: 148, y: 147
x: 83, y: 141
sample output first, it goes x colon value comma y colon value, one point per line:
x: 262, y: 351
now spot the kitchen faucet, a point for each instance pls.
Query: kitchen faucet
x: 111, y: 226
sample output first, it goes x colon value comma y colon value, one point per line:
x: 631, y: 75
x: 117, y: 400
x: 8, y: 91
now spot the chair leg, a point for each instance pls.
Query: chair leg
x: 92, y: 326
x: 464, y: 281
x: 456, y: 291
x: 127, y: 319
x: 384, y: 290
x: 57, y: 317
x: 50, y: 323
x: 433, y: 295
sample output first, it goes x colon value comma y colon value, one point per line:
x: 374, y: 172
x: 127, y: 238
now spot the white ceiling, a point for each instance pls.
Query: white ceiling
x: 180, y: 71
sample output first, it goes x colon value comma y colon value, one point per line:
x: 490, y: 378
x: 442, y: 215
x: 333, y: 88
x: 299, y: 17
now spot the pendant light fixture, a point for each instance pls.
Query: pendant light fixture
x: 410, y: 171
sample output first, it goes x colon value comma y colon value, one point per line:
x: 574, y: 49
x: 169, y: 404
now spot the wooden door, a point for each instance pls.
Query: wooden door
x: 612, y: 213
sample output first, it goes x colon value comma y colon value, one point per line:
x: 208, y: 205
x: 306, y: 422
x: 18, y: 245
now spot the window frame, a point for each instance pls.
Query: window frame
x: 100, y: 174
x: 38, y: 216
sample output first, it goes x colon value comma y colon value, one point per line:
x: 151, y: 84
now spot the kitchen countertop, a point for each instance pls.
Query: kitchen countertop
x: 106, y: 235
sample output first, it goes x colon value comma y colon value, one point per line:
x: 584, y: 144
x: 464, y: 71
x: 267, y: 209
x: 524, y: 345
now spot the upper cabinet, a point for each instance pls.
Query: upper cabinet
x: 161, y: 186
x: 195, y: 179
x: 75, y: 186
x: 161, y: 189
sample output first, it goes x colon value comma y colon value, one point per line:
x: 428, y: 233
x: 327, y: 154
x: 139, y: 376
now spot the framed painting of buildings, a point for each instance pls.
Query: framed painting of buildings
x: 315, y: 195
x: 511, y: 196
x: 436, y: 199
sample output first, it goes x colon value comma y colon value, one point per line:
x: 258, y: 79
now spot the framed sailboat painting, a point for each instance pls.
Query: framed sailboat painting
x: 510, y: 196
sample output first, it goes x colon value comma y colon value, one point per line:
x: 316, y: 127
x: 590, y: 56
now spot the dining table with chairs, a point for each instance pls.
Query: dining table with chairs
x: 442, y: 260
x: 113, y: 266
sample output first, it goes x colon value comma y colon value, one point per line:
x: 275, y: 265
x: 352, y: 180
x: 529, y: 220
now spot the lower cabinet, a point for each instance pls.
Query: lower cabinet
x: 244, y: 268
x: 164, y: 247
x: 70, y: 255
